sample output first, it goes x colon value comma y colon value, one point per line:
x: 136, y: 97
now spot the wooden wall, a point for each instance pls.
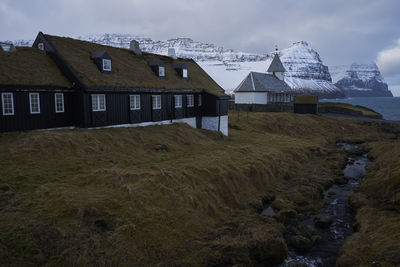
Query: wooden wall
x: 48, y: 118
x: 118, y: 110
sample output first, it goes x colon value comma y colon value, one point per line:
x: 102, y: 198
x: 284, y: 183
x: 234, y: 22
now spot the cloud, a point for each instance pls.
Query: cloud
x: 342, y: 31
x: 389, y: 60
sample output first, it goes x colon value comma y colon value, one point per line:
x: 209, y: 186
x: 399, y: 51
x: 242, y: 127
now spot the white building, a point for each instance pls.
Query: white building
x: 265, y: 88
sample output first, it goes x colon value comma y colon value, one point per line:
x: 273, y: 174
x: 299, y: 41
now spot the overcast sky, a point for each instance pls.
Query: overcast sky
x: 342, y: 31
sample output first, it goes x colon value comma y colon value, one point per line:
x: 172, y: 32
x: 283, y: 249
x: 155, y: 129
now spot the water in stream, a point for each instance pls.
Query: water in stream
x: 326, y: 251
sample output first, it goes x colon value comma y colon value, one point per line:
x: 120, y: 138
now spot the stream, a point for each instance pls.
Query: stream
x: 325, y: 251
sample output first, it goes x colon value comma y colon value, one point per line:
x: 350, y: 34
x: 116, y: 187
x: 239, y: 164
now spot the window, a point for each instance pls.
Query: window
x: 190, y: 100
x: 184, y: 73
x: 7, y: 101
x: 134, y: 101
x: 178, y: 101
x: 59, y: 102
x: 34, y: 101
x: 41, y: 46
x: 106, y: 64
x: 161, y: 71
x: 156, y: 101
x: 199, y: 101
x: 98, y: 102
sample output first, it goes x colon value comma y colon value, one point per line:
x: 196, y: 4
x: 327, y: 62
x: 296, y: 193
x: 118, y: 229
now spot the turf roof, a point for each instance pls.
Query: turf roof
x: 130, y: 70
x: 30, y: 67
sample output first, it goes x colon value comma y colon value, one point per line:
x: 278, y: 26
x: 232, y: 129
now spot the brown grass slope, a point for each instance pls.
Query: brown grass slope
x: 112, y: 197
x: 348, y: 109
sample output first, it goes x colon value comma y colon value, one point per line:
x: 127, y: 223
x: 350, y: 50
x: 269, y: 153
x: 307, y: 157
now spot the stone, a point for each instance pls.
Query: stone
x: 301, y: 243
x: 323, y: 221
x: 269, y: 212
x: 331, y: 193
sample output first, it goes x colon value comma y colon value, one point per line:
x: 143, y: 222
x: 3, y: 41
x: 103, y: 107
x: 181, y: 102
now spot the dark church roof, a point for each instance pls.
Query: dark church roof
x: 262, y: 82
x: 29, y: 67
x: 129, y: 69
x: 276, y: 65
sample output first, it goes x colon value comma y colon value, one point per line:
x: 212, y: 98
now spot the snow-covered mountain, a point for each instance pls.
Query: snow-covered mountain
x: 305, y: 70
x: 360, y: 80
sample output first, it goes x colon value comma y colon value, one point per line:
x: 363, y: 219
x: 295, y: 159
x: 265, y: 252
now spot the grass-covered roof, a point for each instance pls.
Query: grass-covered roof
x: 29, y: 67
x: 128, y: 69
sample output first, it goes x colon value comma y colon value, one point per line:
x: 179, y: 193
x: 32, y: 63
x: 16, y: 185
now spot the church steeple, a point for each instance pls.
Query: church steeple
x: 276, y: 67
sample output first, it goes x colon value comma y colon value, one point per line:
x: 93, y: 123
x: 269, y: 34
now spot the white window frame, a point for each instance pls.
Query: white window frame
x: 189, y: 101
x: 156, y: 101
x: 185, y: 73
x: 62, y: 102
x: 178, y: 101
x: 199, y: 100
x: 161, y: 71
x: 107, y: 64
x: 3, y: 104
x: 31, y: 97
x: 96, y: 102
x: 134, y: 102
x: 41, y: 46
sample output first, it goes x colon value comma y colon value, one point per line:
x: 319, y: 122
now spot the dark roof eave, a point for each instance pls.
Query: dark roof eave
x: 141, y: 90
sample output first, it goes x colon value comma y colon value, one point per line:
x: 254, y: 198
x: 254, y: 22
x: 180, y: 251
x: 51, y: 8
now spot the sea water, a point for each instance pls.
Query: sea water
x: 389, y: 107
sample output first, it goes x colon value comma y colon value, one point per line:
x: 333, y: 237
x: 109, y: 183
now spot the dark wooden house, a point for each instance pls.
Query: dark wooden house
x: 306, y: 104
x: 34, y: 93
x: 114, y: 86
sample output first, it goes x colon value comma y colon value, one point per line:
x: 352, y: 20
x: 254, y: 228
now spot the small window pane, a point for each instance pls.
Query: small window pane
x: 199, y: 101
x: 178, y: 101
x: 59, y: 102
x: 161, y: 71
x: 41, y: 46
x: 98, y: 102
x: 7, y: 103
x: 106, y: 64
x: 190, y: 100
x: 156, y: 101
x: 134, y: 102
x: 34, y: 103
x: 185, y: 73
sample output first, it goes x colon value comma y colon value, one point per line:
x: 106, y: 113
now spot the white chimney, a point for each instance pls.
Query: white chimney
x: 134, y: 46
x: 171, y: 53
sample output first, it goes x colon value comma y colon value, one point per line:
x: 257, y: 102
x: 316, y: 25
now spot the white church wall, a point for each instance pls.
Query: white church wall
x: 251, y: 98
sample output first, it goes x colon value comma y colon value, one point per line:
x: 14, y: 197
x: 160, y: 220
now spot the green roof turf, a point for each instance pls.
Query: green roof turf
x: 30, y: 67
x: 130, y: 70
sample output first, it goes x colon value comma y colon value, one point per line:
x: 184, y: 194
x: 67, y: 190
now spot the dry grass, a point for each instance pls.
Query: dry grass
x: 130, y: 70
x: 108, y: 197
x: 30, y: 66
x: 378, y: 216
x: 349, y: 109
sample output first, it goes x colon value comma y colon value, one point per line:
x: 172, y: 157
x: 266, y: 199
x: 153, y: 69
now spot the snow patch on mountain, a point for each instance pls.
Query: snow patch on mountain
x: 360, y: 80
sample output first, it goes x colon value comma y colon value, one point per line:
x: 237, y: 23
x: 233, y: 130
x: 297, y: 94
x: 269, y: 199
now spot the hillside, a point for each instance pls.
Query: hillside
x: 167, y: 195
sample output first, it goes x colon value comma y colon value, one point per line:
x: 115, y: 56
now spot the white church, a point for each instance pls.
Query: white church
x: 265, y: 88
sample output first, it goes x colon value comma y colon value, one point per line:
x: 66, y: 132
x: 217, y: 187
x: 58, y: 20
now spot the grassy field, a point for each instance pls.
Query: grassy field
x: 348, y: 109
x: 169, y: 195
